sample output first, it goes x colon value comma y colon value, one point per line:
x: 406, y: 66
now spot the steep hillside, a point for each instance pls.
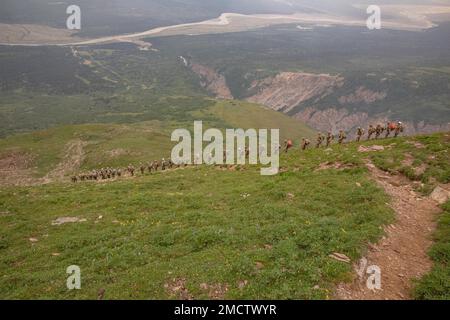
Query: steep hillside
x: 287, y: 90
x: 53, y: 154
x: 290, y: 236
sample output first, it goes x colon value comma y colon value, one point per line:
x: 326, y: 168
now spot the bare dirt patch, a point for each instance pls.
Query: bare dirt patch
x: 15, y: 168
x: 73, y: 158
x: 215, y: 291
x: 409, y: 162
x: 177, y: 288
x: 117, y: 153
x: 370, y: 148
x: 64, y: 220
x: 416, y: 144
x: 402, y: 252
x: 212, y: 81
x: 334, y: 165
x: 288, y: 89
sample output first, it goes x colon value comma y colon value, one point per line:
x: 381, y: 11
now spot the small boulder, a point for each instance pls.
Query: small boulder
x: 370, y: 148
x: 440, y: 194
x: 340, y: 257
x: 64, y: 220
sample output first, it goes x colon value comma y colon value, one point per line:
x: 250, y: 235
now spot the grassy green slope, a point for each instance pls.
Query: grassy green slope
x: 245, y: 235
x: 436, y: 285
x: 121, y: 144
x: 194, y: 224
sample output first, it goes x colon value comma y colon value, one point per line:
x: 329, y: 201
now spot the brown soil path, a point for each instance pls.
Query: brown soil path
x: 71, y: 162
x: 16, y: 167
x: 402, y: 253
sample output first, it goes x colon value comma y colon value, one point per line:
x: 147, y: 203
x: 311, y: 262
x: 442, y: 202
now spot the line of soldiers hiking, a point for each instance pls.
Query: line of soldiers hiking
x: 373, y: 131
x: 112, y: 173
x: 154, y: 166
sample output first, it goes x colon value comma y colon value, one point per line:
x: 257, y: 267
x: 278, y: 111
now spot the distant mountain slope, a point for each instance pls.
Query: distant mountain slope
x: 331, y: 78
x: 334, y: 78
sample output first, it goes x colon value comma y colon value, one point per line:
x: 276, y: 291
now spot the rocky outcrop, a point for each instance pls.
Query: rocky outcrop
x: 212, y: 81
x: 362, y: 95
x: 287, y: 90
x: 334, y: 119
x: 441, y: 194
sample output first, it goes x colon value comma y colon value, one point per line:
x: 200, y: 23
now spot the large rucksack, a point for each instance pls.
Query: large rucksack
x: 392, y: 126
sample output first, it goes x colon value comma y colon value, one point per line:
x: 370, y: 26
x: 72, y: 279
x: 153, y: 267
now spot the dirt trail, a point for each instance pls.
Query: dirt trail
x: 15, y: 169
x: 402, y: 253
x: 71, y: 162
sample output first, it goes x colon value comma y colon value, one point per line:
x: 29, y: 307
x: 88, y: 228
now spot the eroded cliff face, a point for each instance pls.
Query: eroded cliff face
x: 332, y: 119
x: 289, y: 89
x: 324, y: 102
x: 212, y: 81
x: 362, y: 95
x: 335, y: 119
x: 302, y: 96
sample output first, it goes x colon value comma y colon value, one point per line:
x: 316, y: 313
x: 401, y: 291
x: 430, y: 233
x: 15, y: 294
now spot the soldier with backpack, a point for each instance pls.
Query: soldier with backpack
x: 320, y: 139
x: 330, y: 138
x: 359, y: 134
x: 342, y: 136
x: 287, y: 145
x: 305, y: 144
x: 399, y: 129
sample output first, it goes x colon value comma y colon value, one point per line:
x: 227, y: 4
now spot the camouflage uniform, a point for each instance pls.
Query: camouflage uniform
x: 131, y: 170
x: 370, y: 132
x: 305, y: 143
x: 388, y: 130
x: 170, y: 163
x: 399, y: 129
x: 359, y: 133
x: 330, y: 138
x: 378, y: 131
x: 319, y: 140
x: 342, y: 137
